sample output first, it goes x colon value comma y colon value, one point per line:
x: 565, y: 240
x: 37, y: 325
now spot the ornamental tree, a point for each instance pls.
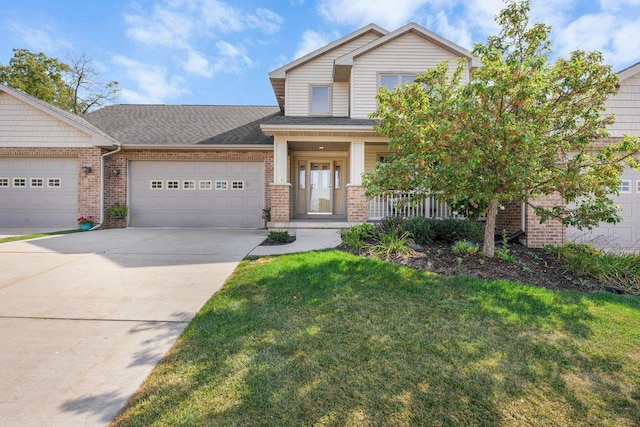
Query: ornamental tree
x: 520, y: 127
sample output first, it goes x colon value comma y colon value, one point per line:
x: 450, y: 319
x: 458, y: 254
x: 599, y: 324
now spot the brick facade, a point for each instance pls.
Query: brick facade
x: 509, y: 220
x: 551, y: 232
x: 280, y: 202
x: 356, y: 204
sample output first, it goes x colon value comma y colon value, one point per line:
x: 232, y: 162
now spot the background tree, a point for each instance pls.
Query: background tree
x: 523, y: 127
x: 85, y: 91
x: 37, y: 75
x: 73, y: 87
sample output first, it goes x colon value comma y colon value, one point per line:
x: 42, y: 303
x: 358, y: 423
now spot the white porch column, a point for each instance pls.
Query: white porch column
x: 356, y: 163
x: 280, y: 161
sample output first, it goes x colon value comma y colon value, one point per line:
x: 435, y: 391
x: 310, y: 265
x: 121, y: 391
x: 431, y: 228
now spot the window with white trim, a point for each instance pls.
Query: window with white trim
x: 156, y: 184
x: 625, y: 186
x: 54, y: 182
x: 36, y: 183
x: 392, y: 81
x: 222, y: 185
x: 320, y: 99
x: 237, y: 185
x: 189, y: 184
x: 19, y: 182
x: 205, y: 184
x: 638, y: 186
x: 4, y: 182
x: 173, y: 184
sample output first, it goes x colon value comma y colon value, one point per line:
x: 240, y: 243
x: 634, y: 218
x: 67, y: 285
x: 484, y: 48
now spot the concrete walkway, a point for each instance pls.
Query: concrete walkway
x: 85, y: 317
x: 307, y: 239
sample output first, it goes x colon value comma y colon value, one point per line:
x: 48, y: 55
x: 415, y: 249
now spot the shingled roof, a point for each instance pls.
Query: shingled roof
x: 184, y: 124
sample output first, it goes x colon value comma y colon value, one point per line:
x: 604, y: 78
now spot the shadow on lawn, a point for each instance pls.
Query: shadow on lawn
x: 331, y: 339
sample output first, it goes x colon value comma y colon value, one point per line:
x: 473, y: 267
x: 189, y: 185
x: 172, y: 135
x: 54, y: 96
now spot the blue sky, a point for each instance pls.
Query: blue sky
x: 220, y: 52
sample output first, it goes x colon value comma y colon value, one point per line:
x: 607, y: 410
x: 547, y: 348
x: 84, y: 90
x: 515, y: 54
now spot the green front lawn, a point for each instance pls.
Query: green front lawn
x: 34, y: 236
x: 327, y: 338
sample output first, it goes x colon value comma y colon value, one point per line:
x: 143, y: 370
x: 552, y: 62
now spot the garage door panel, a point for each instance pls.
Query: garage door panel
x: 623, y: 235
x: 199, y: 207
x: 35, y: 206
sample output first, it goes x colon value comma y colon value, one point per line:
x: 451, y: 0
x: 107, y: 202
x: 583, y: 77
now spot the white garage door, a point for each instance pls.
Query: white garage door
x: 625, y: 234
x: 196, y: 194
x: 38, y: 192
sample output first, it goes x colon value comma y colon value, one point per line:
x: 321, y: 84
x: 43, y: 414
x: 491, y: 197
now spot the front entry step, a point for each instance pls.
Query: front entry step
x: 311, y: 224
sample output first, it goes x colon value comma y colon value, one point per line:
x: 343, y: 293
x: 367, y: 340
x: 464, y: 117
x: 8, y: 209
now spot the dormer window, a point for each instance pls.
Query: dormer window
x: 320, y: 100
x: 392, y: 81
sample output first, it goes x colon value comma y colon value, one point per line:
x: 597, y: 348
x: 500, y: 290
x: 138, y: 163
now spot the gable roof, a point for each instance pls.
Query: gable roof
x: 343, y: 65
x: 184, y: 125
x: 73, y: 120
x: 278, y: 76
x: 629, y: 72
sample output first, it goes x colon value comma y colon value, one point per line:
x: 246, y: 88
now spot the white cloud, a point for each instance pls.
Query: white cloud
x: 155, y: 87
x: 458, y: 33
x: 231, y: 59
x: 311, y: 41
x: 386, y: 13
x: 197, y: 64
x: 618, y: 5
x: 39, y: 39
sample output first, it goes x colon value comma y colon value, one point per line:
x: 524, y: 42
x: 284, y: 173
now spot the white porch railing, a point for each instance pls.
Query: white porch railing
x: 400, y: 204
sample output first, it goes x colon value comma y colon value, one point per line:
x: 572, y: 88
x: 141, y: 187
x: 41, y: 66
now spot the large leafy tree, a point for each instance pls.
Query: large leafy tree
x: 73, y: 87
x: 520, y: 128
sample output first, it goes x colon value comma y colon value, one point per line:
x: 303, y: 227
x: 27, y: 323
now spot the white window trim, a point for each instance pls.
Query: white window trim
x: 151, y: 182
x: 19, y: 178
x: 168, y: 181
x: 330, y: 101
x: 3, y: 178
x: 625, y: 181
x: 192, y: 181
x: 49, y: 179
x: 220, y: 181
x: 638, y: 186
x: 236, y: 181
x: 398, y: 74
x: 203, y: 181
x: 37, y: 186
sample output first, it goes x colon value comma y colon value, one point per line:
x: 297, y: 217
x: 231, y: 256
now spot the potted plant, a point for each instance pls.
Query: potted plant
x: 86, y: 222
x: 119, y: 211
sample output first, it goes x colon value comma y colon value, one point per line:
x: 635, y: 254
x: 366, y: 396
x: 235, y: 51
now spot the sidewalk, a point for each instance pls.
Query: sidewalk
x: 307, y: 239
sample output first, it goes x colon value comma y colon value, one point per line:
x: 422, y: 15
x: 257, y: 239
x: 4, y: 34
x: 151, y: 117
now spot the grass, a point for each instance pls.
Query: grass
x: 34, y: 236
x: 330, y: 339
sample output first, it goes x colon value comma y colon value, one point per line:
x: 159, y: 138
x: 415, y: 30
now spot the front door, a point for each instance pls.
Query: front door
x: 320, y: 189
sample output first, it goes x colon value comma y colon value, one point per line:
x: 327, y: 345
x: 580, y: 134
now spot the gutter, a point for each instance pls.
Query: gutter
x: 110, y: 153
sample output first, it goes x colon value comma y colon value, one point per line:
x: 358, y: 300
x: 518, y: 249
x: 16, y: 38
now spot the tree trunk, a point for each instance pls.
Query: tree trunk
x: 490, y: 230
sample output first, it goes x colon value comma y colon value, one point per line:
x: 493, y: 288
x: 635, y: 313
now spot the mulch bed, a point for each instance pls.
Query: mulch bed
x: 532, y: 267
x: 269, y: 242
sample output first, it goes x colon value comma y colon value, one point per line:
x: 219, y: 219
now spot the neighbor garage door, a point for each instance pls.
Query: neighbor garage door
x: 625, y: 234
x: 38, y: 192
x: 196, y: 194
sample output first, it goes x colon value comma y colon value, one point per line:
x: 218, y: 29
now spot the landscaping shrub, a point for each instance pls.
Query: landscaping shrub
x: 452, y: 230
x: 391, y: 223
x: 279, y: 236
x: 423, y: 230
x: 613, y: 269
x: 393, y: 242
x: 464, y: 247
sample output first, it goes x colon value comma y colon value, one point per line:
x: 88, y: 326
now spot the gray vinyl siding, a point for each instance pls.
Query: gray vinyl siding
x: 408, y: 54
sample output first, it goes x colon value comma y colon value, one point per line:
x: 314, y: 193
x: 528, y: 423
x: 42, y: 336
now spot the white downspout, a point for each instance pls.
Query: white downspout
x: 110, y: 153
x: 523, y: 220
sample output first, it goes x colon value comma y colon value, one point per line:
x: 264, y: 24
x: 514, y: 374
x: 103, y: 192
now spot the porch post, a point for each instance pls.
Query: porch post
x: 280, y: 187
x: 356, y: 200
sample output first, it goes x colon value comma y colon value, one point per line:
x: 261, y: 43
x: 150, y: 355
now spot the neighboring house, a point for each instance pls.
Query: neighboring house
x: 208, y: 166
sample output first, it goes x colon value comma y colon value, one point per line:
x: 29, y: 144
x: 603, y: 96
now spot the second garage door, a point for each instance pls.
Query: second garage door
x: 196, y: 194
x: 625, y: 234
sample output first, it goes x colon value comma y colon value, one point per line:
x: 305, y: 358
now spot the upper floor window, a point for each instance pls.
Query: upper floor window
x: 392, y: 81
x: 320, y: 99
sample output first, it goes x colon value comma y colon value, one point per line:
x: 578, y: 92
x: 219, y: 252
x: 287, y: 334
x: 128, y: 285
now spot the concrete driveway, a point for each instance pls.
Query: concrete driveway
x: 84, y: 317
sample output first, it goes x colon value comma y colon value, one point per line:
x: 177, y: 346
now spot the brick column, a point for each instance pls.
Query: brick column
x: 280, y: 202
x: 356, y: 204
x: 89, y: 183
x: 551, y: 232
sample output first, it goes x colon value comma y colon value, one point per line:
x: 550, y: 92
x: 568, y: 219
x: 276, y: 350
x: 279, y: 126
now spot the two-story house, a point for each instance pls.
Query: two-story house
x: 220, y: 166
